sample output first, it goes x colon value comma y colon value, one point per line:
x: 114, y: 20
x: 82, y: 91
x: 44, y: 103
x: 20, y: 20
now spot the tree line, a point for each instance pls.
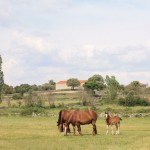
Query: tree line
x: 108, y: 89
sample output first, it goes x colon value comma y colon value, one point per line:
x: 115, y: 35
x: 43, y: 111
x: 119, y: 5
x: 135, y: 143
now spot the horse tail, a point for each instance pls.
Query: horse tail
x: 59, y: 118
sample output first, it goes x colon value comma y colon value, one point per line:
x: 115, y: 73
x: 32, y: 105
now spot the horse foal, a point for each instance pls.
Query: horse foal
x: 112, y: 120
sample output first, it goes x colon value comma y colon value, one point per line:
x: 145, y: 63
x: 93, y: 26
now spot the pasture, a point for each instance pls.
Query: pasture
x: 37, y: 133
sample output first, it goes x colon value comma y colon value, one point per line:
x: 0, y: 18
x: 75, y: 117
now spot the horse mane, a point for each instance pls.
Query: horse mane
x: 59, y: 118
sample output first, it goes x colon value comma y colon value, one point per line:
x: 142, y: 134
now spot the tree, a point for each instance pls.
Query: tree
x: 135, y: 87
x: 8, y: 89
x: 73, y: 82
x: 34, y: 87
x: 51, y: 85
x: 51, y: 82
x: 33, y: 100
x: 96, y: 82
x: 1, y: 79
x: 112, y: 86
x: 23, y: 88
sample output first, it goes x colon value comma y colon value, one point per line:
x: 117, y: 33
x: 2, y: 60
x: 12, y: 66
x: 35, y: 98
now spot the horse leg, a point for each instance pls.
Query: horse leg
x: 116, y: 128
x: 94, y: 128
x: 112, y: 131
x: 74, y: 130
x: 68, y: 130
x: 65, y: 130
x: 107, y: 129
x: 66, y: 125
x: 79, y: 129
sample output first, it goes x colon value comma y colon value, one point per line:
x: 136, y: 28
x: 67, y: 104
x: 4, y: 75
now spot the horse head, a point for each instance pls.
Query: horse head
x: 106, y: 115
x: 59, y: 123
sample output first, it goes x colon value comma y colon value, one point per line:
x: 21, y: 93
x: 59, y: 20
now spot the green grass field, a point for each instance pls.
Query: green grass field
x: 41, y: 133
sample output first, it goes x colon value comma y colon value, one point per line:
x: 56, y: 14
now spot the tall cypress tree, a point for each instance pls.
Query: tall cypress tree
x: 1, y: 79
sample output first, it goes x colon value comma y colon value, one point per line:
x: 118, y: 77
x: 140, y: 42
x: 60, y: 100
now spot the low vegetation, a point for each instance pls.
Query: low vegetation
x: 50, y: 103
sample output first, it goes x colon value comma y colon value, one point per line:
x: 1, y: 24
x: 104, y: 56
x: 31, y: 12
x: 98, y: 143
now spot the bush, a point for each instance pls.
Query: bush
x: 83, y: 97
x: 52, y: 105
x: 93, y: 108
x: 9, y: 103
x: 61, y: 105
x: 108, y: 109
x: 16, y: 96
x: 84, y: 103
x: 143, y: 110
x: 133, y: 101
x: 33, y: 100
x: 30, y: 110
x: 14, y: 106
x: 19, y: 103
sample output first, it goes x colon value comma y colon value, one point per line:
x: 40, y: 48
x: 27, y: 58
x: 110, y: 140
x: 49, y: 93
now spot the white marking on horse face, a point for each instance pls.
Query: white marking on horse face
x: 106, y: 115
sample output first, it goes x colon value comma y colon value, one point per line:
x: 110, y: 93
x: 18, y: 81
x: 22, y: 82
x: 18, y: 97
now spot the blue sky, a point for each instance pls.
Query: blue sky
x: 61, y: 39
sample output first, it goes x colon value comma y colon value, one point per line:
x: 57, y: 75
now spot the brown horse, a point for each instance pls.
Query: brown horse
x: 78, y: 118
x: 62, y: 118
x: 112, y: 120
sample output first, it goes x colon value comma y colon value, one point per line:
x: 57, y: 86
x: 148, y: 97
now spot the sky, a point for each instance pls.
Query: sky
x: 42, y: 40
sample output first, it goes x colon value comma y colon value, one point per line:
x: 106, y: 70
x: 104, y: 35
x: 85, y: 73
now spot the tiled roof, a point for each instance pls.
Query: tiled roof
x: 61, y: 82
x: 82, y: 81
x: 64, y: 81
x: 148, y: 98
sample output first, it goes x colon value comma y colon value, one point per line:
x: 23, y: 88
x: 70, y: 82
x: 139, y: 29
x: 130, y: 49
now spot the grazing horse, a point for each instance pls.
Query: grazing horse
x: 112, y: 120
x: 78, y: 118
x: 62, y: 118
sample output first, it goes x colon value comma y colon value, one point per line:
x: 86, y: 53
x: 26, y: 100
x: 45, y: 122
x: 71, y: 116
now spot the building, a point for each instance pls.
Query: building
x: 62, y: 85
x: 148, y: 98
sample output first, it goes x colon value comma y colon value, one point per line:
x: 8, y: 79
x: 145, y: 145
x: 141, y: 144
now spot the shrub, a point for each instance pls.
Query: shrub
x: 52, y: 105
x: 93, y: 108
x: 16, y: 96
x: 19, y: 103
x: 30, y: 110
x: 108, y: 109
x: 9, y: 103
x: 133, y: 101
x: 84, y: 97
x: 143, y: 110
x: 14, y: 106
x: 84, y: 102
x: 33, y: 100
x: 61, y: 105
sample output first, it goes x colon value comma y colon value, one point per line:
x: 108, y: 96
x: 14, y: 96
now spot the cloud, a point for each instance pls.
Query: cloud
x: 23, y: 42
x: 13, y: 70
x: 134, y: 58
x: 35, y: 59
x: 4, y: 5
x: 59, y: 39
x: 127, y: 77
